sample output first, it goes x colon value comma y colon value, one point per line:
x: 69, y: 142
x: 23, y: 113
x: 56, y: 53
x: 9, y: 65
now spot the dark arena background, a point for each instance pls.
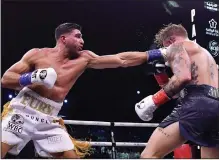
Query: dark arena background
x: 109, y: 27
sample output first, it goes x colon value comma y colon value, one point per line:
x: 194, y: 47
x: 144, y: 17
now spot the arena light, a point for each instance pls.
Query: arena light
x: 10, y: 96
x: 138, y: 92
x: 171, y: 5
x: 65, y: 101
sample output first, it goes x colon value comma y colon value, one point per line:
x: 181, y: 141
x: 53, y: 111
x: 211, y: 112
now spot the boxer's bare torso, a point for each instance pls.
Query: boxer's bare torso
x: 203, y: 66
x: 68, y: 71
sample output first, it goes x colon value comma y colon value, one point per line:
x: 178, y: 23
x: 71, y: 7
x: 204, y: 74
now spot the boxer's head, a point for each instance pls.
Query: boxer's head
x: 69, y: 34
x: 170, y: 34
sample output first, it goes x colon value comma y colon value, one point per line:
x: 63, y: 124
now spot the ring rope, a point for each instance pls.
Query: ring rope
x: 116, y: 124
x: 119, y: 144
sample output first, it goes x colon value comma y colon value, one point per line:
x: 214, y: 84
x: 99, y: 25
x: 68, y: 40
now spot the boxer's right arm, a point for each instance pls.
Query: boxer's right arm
x: 10, y: 78
x: 18, y: 75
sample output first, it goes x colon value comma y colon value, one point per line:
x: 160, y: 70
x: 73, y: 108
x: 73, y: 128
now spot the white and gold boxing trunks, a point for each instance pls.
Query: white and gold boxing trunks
x: 32, y: 117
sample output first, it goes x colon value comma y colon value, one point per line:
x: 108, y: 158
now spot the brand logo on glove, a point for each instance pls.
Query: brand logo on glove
x: 15, y: 124
x: 43, y: 74
x: 34, y: 74
x: 139, y: 105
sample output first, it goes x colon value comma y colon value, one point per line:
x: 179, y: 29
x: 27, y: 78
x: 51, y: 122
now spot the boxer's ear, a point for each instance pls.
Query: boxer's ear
x: 63, y: 39
x: 172, y: 39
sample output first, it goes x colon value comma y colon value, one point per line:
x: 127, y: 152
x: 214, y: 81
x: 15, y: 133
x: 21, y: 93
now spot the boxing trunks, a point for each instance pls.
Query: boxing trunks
x: 197, y: 112
x: 33, y: 117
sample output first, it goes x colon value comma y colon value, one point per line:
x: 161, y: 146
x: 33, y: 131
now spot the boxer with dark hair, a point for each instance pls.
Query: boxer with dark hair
x: 43, y: 78
x: 196, y: 117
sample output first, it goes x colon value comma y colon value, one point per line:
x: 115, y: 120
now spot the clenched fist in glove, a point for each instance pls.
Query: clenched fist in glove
x: 148, y: 105
x: 46, y: 77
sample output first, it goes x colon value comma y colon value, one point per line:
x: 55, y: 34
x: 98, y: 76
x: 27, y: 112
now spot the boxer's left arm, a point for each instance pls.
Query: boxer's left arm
x: 126, y: 59
x: 181, y: 66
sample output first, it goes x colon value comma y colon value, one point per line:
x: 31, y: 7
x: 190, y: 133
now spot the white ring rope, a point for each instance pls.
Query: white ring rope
x: 90, y: 123
x: 119, y: 144
x: 126, y: 124
x: 117, y: 124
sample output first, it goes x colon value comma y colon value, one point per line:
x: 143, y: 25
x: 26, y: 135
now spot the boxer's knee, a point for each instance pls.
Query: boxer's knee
x: 4, y: 149
x: 66, y: 154
x: 154, y: 156
x: 207, y: 152
x: 151, y: 154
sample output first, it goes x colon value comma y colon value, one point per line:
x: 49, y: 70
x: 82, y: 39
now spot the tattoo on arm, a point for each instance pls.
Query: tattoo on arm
x: 194, y: 72
x: 181, y: 67
x: 173, y: 87
x: 211, y: 71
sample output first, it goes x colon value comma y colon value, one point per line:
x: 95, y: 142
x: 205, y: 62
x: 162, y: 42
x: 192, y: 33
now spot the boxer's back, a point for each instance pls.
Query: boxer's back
x: 204, y: 68
x: 68, y: 71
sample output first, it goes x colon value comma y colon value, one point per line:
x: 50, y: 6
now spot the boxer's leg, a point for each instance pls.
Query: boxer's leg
x: 207, y: 152
x: 4, y: 149
x: 66, y: 154
x: 163, y: 141
x: 53, y: 140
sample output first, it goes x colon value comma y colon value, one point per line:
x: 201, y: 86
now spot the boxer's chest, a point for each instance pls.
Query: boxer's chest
x: 67, y: 72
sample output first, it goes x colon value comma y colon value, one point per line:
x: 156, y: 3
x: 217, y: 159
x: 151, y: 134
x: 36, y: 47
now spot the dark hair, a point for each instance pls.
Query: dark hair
x: 168, y: 31
x: 65, y: 28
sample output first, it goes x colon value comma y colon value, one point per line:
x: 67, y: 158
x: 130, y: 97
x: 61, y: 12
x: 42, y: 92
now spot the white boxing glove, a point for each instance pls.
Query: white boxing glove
x: 46, y: 76
x: 145, y: 108
x: 148, y: 105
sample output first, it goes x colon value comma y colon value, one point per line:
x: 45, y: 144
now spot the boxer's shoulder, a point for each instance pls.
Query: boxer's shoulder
x: 43, y: 52
x: 191, y: 47
x: 31, y: 54
x: 35, y: 54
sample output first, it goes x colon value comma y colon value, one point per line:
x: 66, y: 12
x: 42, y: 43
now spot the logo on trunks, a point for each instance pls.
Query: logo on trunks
x: 37, y: 119
x: 15, y: 124
x: 212, y: 31
x: 211, y: 6
x: 214, y: 48
x: 54, y: 139
x: 36, y: 104
x: 43, y: 74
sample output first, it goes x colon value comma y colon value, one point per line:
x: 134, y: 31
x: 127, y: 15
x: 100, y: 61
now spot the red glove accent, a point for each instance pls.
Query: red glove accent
x: 160, y: 98
x: 161, y: 79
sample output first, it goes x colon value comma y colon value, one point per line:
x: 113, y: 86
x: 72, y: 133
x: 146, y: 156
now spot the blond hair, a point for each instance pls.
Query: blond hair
x: 169, y: 30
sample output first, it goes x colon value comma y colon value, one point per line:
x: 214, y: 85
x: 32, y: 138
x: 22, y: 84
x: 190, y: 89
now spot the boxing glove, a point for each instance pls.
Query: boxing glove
x: 145, y: 108
x: 157, y: 54
x: 46, y: 76
x: 160, y: 73
x: 148, y: 105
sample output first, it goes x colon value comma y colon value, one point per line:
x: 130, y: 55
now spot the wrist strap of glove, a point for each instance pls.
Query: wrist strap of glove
x: 161, y: 78
x: 160, y: 98
x: 156, y: 54
x: 25, y: 79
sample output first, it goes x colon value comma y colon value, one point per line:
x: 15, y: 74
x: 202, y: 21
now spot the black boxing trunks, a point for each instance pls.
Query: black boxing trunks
x: 197, y: 112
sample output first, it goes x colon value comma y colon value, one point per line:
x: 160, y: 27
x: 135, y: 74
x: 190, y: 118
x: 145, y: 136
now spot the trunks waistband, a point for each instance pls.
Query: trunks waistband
x: 31, y: 99
x: 200, y: 90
